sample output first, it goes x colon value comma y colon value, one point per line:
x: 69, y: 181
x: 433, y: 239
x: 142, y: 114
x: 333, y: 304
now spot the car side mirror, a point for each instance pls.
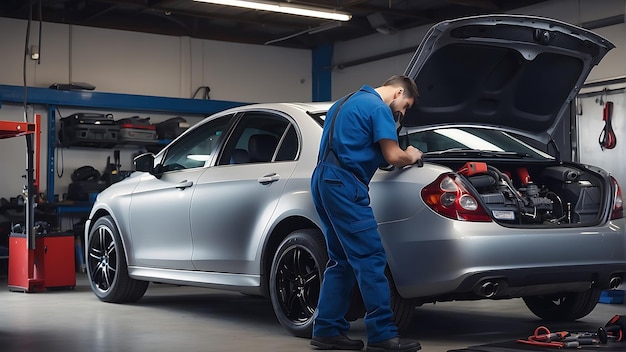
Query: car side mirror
x: 144, y: 162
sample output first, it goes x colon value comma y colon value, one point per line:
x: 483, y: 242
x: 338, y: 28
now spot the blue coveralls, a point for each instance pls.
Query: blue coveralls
x: 341, y: 196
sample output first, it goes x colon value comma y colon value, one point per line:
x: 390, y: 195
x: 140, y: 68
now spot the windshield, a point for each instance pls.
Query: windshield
x: 453, y: 140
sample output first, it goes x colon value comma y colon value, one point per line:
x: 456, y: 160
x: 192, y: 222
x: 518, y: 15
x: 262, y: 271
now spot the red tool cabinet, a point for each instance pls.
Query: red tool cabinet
x: 53, y: 263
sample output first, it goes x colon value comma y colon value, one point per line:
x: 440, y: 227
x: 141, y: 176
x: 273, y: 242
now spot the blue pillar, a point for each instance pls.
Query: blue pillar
x: 322, y: 57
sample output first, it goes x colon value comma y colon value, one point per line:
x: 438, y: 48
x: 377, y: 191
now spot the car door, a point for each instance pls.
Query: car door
x: 159, y: 212
x: 234, y: 200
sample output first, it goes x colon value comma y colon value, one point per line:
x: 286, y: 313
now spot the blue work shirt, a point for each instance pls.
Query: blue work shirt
x: 364, y: 119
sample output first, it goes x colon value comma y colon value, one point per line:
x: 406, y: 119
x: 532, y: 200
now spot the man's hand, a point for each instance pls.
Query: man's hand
x: 397, y: 157
x: 414, y: 153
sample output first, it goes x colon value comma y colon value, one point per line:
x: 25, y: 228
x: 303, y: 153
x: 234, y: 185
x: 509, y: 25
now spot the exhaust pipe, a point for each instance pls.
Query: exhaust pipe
x: 615, y: 281
x: 488, y: 289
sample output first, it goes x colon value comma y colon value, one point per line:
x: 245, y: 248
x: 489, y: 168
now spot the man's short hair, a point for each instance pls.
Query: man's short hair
x: 410, y: 88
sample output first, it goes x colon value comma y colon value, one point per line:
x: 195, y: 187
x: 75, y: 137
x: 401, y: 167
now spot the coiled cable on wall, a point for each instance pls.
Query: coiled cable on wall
x: 607, y: 137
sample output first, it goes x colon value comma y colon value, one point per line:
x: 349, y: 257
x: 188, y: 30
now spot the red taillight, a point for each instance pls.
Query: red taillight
x: 449, y: 197
x: 618, y: 201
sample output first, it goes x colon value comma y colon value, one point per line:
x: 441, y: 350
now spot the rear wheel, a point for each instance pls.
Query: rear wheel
x: 403, y: 309
x: 295, y: 280
x: 568, y: 306
x: 106, y: 265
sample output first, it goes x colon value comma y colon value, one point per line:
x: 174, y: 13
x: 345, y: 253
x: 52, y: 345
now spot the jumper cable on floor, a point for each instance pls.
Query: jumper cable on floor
x: 543, y: 337
x: 611, y: 332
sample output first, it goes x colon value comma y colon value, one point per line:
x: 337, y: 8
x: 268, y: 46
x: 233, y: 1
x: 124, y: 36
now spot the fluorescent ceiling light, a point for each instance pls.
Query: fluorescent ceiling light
x: 284, y: 8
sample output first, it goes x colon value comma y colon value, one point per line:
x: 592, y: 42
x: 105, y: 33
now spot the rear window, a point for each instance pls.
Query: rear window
x: 463, y: 138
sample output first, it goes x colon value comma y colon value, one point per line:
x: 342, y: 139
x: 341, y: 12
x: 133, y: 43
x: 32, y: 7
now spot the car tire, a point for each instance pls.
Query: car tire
x: 295, y: 280
x: 106, y: 265
x: 565, y: 306
x: 403, y: 309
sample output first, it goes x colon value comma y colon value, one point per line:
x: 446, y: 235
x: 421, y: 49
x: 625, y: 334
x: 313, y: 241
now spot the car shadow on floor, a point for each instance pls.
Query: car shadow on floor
x: 453, y: 323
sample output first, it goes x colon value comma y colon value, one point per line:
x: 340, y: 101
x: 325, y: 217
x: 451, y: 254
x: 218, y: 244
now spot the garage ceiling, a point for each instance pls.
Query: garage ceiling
x: 224, y: 23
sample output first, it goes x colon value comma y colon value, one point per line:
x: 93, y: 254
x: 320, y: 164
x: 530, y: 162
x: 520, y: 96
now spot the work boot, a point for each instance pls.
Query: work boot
x: 395, y: 344
x: 339, y: 342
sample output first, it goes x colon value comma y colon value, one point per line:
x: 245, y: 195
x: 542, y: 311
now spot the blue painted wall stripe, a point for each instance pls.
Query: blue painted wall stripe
x: 322, y: 72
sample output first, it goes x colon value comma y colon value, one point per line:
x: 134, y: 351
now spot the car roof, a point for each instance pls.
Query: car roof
x: 306, y: 107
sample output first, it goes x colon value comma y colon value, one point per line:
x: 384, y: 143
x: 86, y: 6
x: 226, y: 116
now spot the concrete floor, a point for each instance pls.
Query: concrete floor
x: 172, y: 318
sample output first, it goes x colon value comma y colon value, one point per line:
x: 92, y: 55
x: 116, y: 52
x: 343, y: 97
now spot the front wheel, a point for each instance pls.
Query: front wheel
x: 568, y: 306
x: 106, y: 265
x: 295, y: 280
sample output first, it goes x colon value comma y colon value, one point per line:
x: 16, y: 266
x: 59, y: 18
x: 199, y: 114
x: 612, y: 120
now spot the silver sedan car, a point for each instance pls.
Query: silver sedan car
x: 493, y: 212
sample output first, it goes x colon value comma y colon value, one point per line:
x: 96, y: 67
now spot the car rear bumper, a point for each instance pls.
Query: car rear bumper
x: 457, y: 260
x: 535, y: 281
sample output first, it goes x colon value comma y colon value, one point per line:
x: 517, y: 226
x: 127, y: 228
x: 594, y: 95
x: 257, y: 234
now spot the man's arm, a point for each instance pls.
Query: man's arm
x: 397, y: 157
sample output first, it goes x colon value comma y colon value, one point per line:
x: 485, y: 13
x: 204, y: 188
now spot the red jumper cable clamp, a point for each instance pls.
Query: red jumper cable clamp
x: 543, y: 337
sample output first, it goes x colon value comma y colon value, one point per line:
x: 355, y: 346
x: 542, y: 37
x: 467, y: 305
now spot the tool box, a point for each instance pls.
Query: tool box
x: 86, y: 181
x: 171, y: 128
x: 136, y: 130
x: 83, y: 191
x: 89, y: 130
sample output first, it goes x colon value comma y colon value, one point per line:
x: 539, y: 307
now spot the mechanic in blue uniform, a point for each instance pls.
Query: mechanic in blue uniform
x: 359, y: 135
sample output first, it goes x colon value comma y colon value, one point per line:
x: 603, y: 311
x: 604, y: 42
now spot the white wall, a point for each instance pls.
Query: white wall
x: 589, y: 126
x: 134, y: 63
x: 149, y: 64
x: 375, y: 72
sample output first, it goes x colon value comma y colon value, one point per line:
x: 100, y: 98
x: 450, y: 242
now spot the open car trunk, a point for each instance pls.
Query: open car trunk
x: 537, y: 194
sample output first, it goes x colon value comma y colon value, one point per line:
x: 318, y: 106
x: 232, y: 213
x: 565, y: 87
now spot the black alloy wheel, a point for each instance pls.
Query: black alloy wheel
x: 295, y: 280
x: 106, y: 265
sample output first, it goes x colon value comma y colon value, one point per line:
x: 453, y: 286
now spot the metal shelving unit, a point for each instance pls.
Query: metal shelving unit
x: 53, y: 98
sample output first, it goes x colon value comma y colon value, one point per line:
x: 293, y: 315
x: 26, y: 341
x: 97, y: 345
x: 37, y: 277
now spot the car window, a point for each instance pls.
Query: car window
x: 289, y: 147
x: 197, y: 147
x: 441, y: 139
x: 261, y: 137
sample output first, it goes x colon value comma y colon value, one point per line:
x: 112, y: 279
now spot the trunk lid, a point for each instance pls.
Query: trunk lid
x: 515, y: 73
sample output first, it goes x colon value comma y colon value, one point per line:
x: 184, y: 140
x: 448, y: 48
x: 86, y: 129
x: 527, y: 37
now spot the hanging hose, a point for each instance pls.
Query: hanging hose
x: 607, y: 137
